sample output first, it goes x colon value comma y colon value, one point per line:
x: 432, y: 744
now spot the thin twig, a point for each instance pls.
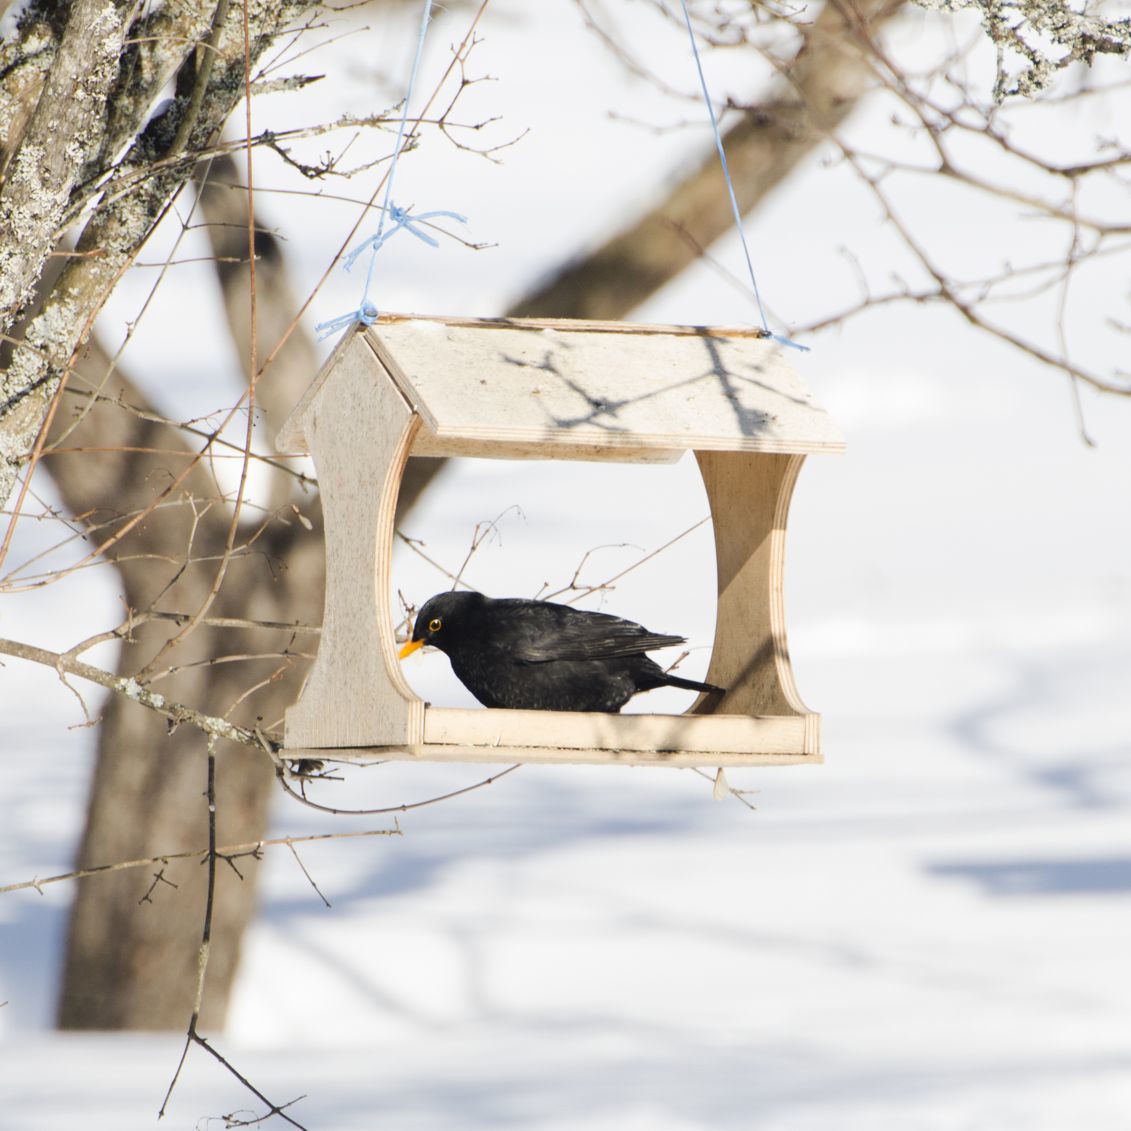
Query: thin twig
x: 192, y: 1035
x: 253, y: 377
x: 606, y: 584
x: 404, y: 808
x: 162, y: 858
x: 351, y: 235
x: 206, y: 931
x: 310, y: 878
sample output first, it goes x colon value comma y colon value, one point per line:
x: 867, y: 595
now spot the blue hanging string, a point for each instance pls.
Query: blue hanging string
x: 401, y: 219
x: 730, y: 186
x: 366, y: 312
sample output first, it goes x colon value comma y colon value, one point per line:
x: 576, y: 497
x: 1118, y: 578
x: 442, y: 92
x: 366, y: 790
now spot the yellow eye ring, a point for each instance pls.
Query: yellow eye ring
x: 435, y: 624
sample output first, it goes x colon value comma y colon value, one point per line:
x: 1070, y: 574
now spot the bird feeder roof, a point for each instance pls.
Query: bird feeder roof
x: 563, y: 389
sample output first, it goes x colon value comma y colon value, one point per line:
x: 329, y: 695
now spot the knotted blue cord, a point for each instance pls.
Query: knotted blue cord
x: 402, y: 218
x: 366, y: 312
x: 730, y: 185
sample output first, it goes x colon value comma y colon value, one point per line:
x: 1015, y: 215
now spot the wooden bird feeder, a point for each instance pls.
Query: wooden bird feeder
x: 527, y: 389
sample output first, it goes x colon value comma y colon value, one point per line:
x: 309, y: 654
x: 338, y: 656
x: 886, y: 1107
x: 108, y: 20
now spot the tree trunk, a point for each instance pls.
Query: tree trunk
x: 131, y: 964
x: 131, y: 960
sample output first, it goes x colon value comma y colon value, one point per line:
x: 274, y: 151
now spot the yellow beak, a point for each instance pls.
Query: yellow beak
x: 410, y: 647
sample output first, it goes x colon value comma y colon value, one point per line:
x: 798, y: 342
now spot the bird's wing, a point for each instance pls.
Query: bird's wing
x: 561, y: 633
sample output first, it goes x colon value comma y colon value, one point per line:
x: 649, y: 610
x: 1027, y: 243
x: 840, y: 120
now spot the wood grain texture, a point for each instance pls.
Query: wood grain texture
x: 540, y: 737
x: 359, y: 431
x: 561, y: 389
x: 650, y: 734
x: 749, y: 494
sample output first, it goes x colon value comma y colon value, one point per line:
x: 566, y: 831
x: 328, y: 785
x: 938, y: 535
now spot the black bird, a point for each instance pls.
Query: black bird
x: 537, y: 655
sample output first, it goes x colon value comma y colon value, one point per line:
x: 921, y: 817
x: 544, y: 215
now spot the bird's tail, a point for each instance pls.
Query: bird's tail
x: 691, y: 685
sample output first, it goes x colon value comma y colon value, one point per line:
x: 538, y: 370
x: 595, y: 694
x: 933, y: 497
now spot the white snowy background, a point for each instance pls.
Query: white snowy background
x: 931, y: 931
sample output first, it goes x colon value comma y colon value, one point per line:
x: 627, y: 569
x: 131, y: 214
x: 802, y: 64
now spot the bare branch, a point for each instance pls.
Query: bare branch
x: 404, y: 807
x: 129, y: 688
x: 1037, y: 39
x: 826, y: 79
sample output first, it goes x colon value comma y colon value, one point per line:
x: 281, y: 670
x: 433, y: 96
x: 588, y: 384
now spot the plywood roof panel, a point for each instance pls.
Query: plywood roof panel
x: 576, y: 385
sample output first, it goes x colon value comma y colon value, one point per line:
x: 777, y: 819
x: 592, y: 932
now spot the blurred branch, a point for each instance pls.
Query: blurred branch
x: 825, y: 81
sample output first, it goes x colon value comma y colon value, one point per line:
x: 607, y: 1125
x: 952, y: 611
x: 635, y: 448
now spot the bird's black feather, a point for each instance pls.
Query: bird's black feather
x: 538, y: 655
x: 542, y: 631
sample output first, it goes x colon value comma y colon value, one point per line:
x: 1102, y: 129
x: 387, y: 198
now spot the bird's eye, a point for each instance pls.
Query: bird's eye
x: 435, y: 624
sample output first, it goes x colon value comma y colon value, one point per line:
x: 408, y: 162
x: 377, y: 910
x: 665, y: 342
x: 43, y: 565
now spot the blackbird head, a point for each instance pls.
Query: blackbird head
x: 442, y: 621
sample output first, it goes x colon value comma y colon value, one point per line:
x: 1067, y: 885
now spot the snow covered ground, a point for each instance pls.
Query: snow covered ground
x: 929, y: 933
